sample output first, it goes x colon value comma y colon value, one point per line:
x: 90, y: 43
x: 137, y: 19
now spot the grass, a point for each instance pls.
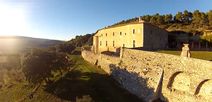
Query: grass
x: 88, y: 80
x: 205, y: 55
x: 84, y: 83
x: 20, y: 91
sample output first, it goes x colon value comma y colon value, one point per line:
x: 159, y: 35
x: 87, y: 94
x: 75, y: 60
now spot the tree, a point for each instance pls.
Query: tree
x: 156, y: 19
x: 66, y: 47
x: 39, y: 65
x: 146, y: 18
x: 199, y: 18
x: 153, y: 20
x: 209, y: 14
x: 160, y: 19
x: 204, y: 19
x: 79, y: 41
x: 168, y: 18
x: 196, y: 17
x: 187, y: 17
x: 179, y: 17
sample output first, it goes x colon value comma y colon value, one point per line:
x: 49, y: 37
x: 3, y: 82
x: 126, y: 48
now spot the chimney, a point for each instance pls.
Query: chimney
x: 140, y: 19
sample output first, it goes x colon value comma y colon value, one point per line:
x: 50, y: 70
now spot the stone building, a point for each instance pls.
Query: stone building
x: 134, y: 35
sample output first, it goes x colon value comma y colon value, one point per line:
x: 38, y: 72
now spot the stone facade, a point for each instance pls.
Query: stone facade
x: 136, y: 35
x: 184, y: 80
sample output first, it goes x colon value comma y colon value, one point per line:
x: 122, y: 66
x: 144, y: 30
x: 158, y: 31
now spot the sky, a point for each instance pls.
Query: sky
x: 64, y: 19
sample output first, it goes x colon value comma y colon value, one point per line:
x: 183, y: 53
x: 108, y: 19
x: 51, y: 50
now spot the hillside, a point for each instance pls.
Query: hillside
x: 18, y: 43
x: 84, y: 83
x: 190, y: 22
x: 77, y: 42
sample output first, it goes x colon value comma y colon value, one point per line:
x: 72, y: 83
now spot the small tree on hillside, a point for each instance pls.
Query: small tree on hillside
x: 160, y: 19
x: 179, y: 17
x: 153, y: 20
x: 66, y: 47
x: 210, y: 17
x: 199, y: 18
x: 168, y: 18
x: 146, y: 18
x: 187, y: 17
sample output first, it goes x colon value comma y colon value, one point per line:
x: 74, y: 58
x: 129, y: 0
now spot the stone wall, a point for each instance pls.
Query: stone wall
x: 185, y: 79
x: 154, y: 37
x: 90, y: 56
x: 109, y: 39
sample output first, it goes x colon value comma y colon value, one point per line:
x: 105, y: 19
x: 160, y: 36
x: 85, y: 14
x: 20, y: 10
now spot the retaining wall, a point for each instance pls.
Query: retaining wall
x: 185, y: 79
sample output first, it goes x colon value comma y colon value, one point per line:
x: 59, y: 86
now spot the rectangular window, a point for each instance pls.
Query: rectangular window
x: 133, y: 31
x: 106, y: 43
x: 125, y: 33
x: 120, y: 33
x: 133, y: 43
x: 106, y: 34
x: 100, y: 43
x: 113, y: 34
x: 123, y: 45
x: 113, y: 43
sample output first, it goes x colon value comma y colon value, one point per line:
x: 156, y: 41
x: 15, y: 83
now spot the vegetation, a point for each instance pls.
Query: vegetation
x: 205, y: 55
x: 183, y: 27
x: 81, y: 40
x: 84, y: 83
x: 67, y: 77
x: 78, y: 41
x: 10, y: 70
x: 191, y: 22
x: 40, y: 65
x: 207, y: 38
x: 50, y: 75
x: 88, y: 80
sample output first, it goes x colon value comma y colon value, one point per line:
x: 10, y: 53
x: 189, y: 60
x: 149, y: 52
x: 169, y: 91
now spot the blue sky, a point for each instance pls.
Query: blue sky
x: 64, y: 19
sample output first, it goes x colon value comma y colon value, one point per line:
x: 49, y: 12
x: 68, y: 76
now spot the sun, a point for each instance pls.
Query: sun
x: 13, y: 20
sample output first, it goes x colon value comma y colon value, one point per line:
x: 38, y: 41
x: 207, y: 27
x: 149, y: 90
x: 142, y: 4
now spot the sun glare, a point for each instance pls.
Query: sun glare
x: 9, y: 44
x: 8, y: 41
x: 12, y: 20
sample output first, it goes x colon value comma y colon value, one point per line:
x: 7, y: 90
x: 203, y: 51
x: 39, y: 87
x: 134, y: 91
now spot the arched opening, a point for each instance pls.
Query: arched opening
x: 180, y: 81
x: 96, y: 62
x: 204, y: 88
x: 171, y: 79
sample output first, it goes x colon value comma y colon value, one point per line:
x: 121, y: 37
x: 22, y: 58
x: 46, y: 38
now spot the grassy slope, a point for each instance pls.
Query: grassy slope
x: 84, y: 80
x: 205, y: 55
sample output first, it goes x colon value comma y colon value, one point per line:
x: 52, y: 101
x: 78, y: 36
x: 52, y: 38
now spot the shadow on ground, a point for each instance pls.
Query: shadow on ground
x: 76, y: 52
x: 93, y: 86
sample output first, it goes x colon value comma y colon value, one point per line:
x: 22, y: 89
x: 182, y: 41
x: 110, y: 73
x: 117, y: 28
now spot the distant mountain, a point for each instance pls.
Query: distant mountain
x: 15, y: 44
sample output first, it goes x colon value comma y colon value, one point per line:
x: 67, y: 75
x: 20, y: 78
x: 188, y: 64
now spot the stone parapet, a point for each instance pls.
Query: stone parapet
x: 184, y: 80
